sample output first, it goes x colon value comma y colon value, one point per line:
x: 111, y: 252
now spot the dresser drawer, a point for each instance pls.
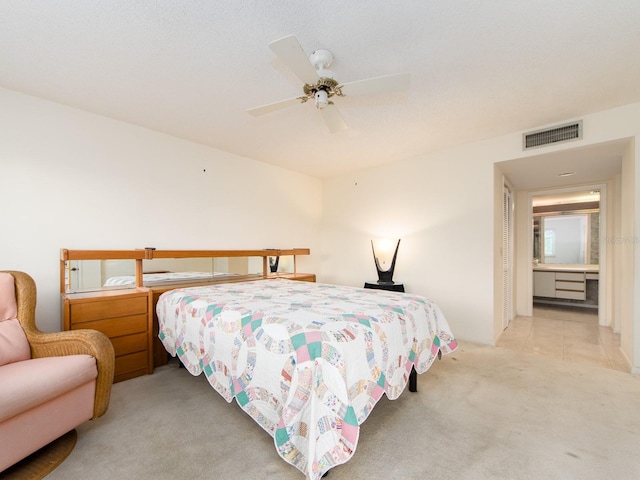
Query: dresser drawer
x: 133, y: 362
x: 130, y: 343
x: 111, y: 308
x: 116, y: 327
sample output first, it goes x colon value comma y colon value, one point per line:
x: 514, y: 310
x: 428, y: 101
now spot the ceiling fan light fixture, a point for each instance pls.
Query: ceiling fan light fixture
x: 322, y: 99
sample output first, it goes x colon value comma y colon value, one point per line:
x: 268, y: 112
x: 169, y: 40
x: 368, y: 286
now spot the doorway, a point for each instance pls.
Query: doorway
x: 569, y: 268
x: 568, y: 320
x: 547, y: 172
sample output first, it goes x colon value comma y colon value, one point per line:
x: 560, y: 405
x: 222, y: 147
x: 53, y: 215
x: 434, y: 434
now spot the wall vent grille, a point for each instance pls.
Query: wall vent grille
x: 550, y: 136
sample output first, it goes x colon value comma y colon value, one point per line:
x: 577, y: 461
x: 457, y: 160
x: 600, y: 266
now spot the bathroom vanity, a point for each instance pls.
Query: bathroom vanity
x: 575, y: 285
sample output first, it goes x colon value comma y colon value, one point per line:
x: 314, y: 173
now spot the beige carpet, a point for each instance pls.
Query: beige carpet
x: 37, y: 465
x: 480, y: 413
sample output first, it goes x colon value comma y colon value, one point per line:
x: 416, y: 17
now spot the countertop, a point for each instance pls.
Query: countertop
x: 560, y: 267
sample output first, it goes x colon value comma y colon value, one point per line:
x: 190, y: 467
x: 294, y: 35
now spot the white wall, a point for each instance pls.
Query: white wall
x: 441, y: 206
x: 70, y: 179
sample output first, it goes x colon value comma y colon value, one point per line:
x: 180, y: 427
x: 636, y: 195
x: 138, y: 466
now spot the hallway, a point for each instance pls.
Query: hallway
x: 567, y: 334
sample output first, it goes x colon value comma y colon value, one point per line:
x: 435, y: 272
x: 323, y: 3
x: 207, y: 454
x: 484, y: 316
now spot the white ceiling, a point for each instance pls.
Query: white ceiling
x: 192, y: 68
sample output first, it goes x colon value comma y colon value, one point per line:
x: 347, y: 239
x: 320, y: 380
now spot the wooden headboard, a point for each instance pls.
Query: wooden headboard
x: 127, y: 313
x: 139, y: 255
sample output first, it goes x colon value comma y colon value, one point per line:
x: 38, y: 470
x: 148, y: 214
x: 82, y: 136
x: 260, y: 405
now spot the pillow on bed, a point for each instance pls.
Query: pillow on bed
x: 14, y: 346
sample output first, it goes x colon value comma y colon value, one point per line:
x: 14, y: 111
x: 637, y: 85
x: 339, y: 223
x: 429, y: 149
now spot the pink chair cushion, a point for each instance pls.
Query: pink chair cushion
x: 14, y: 346
x: 25, y: 385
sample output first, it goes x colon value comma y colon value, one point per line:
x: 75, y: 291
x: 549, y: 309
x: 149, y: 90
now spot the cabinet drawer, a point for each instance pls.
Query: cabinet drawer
x: 577, y: 286
x: 130, y: 344
x: 570, y: 276
x: 573, y: 295
x: 90, y: 311
x: 116, y: 327
x: 130, y: 363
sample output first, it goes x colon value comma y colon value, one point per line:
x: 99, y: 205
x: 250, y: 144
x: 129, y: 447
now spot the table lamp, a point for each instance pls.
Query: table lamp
x: 385, y: 255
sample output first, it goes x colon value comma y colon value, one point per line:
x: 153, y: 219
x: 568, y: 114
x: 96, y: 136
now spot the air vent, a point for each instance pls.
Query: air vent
x: 550, y: 136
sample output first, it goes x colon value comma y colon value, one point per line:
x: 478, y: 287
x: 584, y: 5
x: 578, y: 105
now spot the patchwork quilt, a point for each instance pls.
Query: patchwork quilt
x: 307, y: 361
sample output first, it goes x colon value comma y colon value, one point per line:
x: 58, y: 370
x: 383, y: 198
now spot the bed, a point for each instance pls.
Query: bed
x: 307, y: 361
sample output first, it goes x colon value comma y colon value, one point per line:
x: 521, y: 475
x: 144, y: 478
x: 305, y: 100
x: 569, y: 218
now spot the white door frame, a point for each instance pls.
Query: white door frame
x: 507, y: 253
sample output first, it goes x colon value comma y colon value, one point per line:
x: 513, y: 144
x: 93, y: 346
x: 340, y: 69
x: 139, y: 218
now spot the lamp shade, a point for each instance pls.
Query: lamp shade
x: 385, y: 252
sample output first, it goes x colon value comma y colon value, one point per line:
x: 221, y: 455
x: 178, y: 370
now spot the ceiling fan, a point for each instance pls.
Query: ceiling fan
x: 320, y: 84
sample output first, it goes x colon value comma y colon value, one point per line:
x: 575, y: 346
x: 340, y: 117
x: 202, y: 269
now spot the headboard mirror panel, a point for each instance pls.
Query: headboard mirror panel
x: 94, y: 270
x: 89, y: 275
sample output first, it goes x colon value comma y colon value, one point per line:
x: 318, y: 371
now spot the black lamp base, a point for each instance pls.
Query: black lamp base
x: 385, y: 277
x: 392, y: 286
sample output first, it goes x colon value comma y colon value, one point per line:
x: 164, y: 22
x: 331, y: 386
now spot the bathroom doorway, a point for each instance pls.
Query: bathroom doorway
x: 566, y: 248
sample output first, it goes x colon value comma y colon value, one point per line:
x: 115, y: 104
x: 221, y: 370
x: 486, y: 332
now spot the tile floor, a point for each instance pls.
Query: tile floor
x: 564, y: 333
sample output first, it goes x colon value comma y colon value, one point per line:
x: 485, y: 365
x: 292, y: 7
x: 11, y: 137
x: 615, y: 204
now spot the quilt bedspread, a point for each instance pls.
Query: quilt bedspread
x: 307, y: 361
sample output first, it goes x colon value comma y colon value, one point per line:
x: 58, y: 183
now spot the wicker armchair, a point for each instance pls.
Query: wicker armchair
x: 88, y: 342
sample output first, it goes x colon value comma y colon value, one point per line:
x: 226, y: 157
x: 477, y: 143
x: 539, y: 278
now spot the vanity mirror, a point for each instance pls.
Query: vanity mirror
x: 566, y: 233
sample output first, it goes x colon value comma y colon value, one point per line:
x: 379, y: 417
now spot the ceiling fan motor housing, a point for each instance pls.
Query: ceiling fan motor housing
x: 321, y: 61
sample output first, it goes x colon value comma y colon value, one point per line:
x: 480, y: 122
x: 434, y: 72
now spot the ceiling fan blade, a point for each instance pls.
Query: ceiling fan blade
x: 272, y: 107
x: 333, y: 118
x: 288, y: 49
x: 388, y: 83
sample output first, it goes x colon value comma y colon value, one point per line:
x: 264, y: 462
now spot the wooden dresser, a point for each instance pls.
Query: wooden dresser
x: 123, y: 316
